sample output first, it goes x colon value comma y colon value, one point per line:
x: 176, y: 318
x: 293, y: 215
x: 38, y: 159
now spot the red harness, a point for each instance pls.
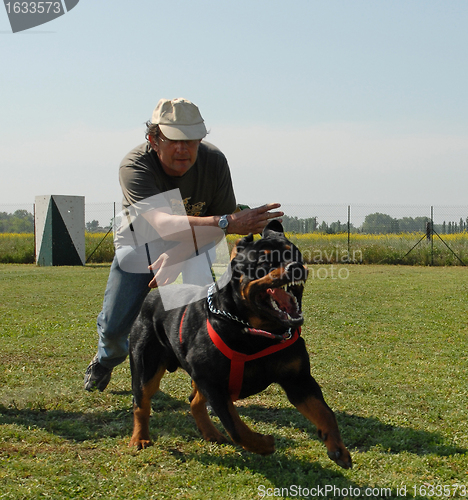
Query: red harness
x: 238, y: 359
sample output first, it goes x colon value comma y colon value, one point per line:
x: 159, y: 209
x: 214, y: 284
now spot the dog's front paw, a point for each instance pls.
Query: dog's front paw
x: 341, y: 457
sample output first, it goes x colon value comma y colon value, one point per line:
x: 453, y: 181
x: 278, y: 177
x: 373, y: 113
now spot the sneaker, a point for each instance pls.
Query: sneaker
x: 96, y: 376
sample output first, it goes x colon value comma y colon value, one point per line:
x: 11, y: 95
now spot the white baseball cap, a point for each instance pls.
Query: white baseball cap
x: 179, y: 120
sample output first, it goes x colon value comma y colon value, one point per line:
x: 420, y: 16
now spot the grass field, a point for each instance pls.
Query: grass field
x: 18, y: 248
x: 388, y: 345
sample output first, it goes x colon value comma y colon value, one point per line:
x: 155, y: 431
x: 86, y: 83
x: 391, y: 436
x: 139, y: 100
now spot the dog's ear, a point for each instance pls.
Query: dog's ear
x: 274, y: 226
x: 240, y: 245
x: 243, y: 242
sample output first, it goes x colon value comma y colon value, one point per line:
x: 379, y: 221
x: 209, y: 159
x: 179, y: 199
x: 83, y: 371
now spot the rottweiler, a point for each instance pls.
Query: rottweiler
x: 242, y: 335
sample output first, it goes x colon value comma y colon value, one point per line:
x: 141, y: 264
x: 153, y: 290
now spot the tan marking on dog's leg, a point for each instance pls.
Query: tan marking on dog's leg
x: 234, y: 250
x: 324, y: 419
x: 202, y: 419
x: 141, y: 415
x: 293, y: 367
x: 248, y: 439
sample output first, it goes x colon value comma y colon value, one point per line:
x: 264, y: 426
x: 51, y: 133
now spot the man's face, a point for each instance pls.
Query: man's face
x: 176, y: 157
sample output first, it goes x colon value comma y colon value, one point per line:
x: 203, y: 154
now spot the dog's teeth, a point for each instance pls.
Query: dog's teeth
x: 297, y: 283
x: 275, y: 305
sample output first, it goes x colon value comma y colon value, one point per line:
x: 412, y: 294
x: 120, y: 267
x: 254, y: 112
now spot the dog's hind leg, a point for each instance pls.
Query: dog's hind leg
x: 202, y: 419
x: 142, y: 411
x: 240, y: 433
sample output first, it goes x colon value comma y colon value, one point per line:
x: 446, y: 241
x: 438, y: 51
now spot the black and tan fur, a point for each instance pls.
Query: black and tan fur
x: 265, y: 291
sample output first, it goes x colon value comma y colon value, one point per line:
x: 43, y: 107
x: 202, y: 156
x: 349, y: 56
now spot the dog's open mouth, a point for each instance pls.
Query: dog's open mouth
x: 283, y: 303
x: 276, y: 298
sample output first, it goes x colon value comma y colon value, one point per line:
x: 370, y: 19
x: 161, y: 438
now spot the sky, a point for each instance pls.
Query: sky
x: 312, y: 101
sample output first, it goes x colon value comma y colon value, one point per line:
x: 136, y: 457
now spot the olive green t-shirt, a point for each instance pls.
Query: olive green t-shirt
x: 206, y: 189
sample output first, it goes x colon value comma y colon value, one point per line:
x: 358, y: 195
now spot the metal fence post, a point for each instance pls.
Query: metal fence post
x: 432, y: 235
x: 349, y: 230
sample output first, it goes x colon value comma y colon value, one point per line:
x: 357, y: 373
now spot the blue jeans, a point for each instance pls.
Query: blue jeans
x: 124, y: 295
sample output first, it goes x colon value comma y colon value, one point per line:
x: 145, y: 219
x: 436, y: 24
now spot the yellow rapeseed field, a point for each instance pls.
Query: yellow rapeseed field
x: 317, y: 248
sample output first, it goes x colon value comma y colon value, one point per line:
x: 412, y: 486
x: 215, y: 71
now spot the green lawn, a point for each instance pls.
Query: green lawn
x: 388, y: 345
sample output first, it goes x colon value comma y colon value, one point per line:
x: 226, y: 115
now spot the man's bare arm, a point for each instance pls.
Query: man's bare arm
x: 178, y: 227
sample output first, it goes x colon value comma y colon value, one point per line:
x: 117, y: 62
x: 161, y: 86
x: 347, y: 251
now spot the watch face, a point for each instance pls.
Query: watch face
x: 223, y: 222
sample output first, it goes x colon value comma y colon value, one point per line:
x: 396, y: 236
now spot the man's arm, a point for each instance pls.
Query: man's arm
x: 178, y: 227
x: 189, y: 232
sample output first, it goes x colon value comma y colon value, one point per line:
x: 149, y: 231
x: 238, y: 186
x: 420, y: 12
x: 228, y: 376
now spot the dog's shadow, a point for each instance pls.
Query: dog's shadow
x: 361, y: 433
x: 171, y: 417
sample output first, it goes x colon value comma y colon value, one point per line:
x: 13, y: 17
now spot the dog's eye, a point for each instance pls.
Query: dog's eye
x: 269, y: 258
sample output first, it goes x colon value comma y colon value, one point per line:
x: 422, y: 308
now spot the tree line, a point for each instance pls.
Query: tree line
x: 375, y: 223
x: 22, y: 221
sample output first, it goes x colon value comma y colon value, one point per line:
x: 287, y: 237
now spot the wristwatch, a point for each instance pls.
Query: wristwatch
x: 223, y: 223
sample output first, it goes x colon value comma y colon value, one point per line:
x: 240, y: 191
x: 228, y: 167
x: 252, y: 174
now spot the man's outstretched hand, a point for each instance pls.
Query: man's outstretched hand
x: 253, y: 220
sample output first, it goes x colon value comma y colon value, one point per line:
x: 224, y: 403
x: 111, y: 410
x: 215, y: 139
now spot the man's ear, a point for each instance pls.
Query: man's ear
x: 154, y: 142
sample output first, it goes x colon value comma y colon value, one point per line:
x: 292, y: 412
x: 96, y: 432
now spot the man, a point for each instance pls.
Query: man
x: 173, y: 160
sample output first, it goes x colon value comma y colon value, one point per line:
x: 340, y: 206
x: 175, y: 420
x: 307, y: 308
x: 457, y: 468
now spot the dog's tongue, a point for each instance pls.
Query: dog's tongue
x: 283, y: 299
